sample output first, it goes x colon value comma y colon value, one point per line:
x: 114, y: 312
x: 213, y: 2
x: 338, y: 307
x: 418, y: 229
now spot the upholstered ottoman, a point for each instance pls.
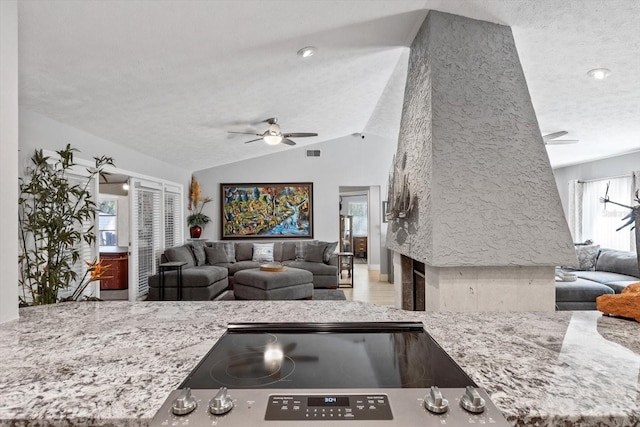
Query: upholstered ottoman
x: 289, y: 284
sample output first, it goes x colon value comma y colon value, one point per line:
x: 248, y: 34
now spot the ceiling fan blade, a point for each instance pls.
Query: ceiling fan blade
x: 561, y: 141
x: 245, y: 133
x: 298, y: 134
x: 253, y: 140
x: 554, y: 135
x: 288, y: 141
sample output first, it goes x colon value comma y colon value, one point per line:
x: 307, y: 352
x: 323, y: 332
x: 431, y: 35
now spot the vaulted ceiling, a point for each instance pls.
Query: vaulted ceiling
x: 169, y: 78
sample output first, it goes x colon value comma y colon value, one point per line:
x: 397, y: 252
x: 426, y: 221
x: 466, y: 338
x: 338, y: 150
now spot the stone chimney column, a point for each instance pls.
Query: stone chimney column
x: 488, y: 222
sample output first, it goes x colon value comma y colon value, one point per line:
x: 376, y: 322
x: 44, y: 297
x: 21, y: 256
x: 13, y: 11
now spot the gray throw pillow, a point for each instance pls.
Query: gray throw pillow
x: 244, y: 251
x: 180, y: 254
x: 314, y: 252
x: 262, y: 252
x: 587, y: 256
x: 301, y: 249
x: 215, y: 255
x: 329, y: 250
x: 221, y: 252
x: 197, y: 246
x: 288, y: 251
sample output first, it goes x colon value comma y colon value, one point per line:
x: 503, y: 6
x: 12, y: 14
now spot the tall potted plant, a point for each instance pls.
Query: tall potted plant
x: 196, y: 220
x: 52, y: 210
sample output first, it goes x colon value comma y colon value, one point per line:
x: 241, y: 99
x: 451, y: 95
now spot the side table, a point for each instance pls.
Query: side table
x: 168, y: 266
x: 345, y: 262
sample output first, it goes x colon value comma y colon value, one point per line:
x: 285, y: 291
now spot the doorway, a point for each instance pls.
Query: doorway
x: 354, y: 204
x: 141, y: 217
x: 113, y: 235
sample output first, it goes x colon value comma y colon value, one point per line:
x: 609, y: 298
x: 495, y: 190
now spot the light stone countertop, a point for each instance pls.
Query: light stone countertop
x: 114, y: 363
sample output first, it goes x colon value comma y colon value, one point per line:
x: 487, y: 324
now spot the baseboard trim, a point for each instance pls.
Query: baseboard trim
x: 374, y: 267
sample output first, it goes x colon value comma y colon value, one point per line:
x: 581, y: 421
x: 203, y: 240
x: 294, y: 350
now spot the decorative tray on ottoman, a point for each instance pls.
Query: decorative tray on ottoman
x: 272, y: 266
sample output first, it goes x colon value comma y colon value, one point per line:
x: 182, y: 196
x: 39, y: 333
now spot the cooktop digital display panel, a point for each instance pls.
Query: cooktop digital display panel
x: 330, y: 356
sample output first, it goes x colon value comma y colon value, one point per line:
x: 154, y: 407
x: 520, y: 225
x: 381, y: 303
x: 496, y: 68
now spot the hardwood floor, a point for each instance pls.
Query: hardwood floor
x: 368, y: 288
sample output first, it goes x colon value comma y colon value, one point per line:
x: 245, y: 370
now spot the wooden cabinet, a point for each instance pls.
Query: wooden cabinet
x: 360, y: 246
x: 118, y: 271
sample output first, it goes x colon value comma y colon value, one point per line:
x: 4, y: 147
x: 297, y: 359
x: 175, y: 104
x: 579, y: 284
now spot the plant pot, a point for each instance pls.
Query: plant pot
x: 195, y: 231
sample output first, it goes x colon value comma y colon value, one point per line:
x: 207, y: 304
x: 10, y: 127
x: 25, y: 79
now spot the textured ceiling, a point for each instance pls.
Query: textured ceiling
x: 169, y: 78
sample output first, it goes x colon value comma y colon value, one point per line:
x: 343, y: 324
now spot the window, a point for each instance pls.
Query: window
x: 601, y: 220
x: 108, y: 222
x: 172, y: 216
x: 359, y: 212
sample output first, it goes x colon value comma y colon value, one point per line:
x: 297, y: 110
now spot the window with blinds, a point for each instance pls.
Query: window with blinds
x: 172, y: 217
x: 360, y: 216
x: 108, y: 221
x: 147, y: 245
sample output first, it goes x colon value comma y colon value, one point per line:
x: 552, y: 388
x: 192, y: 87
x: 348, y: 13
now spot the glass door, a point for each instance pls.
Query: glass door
x: 146, y: 236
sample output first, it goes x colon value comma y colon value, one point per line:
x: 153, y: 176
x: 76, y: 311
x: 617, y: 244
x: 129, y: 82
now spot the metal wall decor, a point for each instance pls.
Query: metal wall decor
x: 400, y: 197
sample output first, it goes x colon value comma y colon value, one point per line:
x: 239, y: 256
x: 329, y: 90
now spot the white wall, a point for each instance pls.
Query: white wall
x: 346, y: 161
x: 599, y: 169
x: 8, y: 160
x: 40, y: 132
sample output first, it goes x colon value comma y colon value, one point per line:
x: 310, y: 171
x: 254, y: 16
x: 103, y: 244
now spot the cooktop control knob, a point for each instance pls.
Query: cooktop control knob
x: 471, y: 401
x: 184, y: 403
x: 434, y: 402
x: 221, y: 402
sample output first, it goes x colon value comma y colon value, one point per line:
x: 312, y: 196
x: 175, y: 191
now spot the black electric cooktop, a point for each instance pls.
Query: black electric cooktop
x: 326, y: 355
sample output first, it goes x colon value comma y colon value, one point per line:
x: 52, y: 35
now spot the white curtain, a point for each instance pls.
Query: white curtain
x: 636, y: 186
x: 575, y: 210
x: 600, y: 220
x: 635, y: 202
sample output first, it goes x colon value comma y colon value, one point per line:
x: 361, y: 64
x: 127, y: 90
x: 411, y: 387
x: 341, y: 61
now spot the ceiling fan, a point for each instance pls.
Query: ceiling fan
x: 550, y: 139
x: 274, y: 136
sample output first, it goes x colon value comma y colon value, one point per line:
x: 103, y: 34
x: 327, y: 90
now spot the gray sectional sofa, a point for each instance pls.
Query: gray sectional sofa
x: 609, y: 272
x: 211, y: 266
x: 199, y: 282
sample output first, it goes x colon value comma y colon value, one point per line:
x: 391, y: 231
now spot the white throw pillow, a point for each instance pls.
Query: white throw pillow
x: 263, y: 252
x: 587, y: 256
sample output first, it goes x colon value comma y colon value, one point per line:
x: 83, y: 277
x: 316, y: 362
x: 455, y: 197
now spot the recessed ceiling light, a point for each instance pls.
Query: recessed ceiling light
x: 306, y: 52
x: 599, y: 73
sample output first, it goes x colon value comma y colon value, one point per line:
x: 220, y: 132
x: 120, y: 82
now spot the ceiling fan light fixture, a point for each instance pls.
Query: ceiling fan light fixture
x: 306, y: 52
x: 272, y: 139
x: 599, y: 73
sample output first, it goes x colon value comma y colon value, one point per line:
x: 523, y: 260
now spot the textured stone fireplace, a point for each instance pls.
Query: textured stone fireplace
x: 487, y: 222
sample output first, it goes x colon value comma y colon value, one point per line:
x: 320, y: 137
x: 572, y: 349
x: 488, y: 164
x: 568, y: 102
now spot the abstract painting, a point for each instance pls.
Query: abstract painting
x: 276, y: 210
